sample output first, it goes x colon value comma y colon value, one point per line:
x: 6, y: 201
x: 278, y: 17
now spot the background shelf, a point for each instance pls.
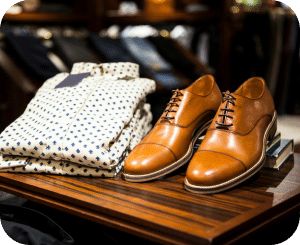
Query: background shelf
x: 47, y: 17
x: 114, y: 17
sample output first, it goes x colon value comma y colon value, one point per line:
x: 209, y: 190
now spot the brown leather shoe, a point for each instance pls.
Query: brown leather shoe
x: 234, y: 146
x: 169, y: 144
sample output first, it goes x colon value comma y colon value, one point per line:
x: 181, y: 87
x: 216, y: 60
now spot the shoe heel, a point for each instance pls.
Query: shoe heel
x: 272, y: 131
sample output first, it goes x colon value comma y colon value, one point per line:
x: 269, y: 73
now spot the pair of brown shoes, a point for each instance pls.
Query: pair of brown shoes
x: 237, y: 129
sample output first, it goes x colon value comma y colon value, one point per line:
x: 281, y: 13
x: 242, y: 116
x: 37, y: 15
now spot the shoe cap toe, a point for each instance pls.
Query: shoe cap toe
x: 148, y: 158
x: 213, y: 168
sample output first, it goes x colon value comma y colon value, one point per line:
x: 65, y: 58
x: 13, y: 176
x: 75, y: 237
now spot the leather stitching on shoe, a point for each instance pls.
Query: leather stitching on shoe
x: 160, y: 145
x: 224, y: 154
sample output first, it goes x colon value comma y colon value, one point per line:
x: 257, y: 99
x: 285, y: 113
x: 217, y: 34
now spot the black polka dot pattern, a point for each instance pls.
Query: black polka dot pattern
x: 93, y: 124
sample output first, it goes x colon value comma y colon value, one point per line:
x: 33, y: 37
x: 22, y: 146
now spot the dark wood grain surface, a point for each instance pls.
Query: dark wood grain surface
x: 163, y: 211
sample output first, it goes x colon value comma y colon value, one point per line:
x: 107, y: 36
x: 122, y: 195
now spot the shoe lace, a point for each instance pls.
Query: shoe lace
x: 173, y: 102
x: 229, y: 98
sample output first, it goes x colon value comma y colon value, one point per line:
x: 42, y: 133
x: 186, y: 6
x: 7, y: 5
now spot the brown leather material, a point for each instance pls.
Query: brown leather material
x: 227, y: 152
x: 142, y: 157
x: 236, y: 145
x: 195, y: 98
x: 170, y: 135
x: 213, y: 168
x: 247, y: 110
x: 169, y: 142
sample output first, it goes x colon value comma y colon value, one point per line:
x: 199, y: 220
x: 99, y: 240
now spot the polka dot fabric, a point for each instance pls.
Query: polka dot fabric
x: 91, y: 125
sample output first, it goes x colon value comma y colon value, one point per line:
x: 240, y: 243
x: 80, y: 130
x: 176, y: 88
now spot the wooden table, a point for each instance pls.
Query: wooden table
x: 162, y: 211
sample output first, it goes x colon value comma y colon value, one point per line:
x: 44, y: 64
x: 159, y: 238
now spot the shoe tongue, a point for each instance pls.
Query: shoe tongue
x: 227, y: 92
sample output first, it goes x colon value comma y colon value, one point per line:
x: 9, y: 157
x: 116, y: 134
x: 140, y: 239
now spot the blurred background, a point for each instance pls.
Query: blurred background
x: 173, y: 41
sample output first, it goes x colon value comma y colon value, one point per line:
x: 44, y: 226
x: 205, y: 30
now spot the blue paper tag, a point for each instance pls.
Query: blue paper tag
x: 72, y: 80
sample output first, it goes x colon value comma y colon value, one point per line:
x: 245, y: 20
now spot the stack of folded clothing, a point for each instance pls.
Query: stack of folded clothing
x: 83, y: 123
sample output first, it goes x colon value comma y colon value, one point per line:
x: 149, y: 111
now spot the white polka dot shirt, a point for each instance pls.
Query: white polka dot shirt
x: 80, y: 126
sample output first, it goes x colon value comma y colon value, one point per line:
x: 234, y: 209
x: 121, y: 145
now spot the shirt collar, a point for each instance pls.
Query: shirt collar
x: 108, y: 70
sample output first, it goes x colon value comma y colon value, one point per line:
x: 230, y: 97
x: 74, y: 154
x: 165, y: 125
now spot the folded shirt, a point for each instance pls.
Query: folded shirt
x: 91, y: 121
x: 139, y: 127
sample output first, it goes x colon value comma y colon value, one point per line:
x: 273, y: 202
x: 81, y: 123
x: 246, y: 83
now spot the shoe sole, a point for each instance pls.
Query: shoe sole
x: 173, y: 166
x: 241, y: 178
